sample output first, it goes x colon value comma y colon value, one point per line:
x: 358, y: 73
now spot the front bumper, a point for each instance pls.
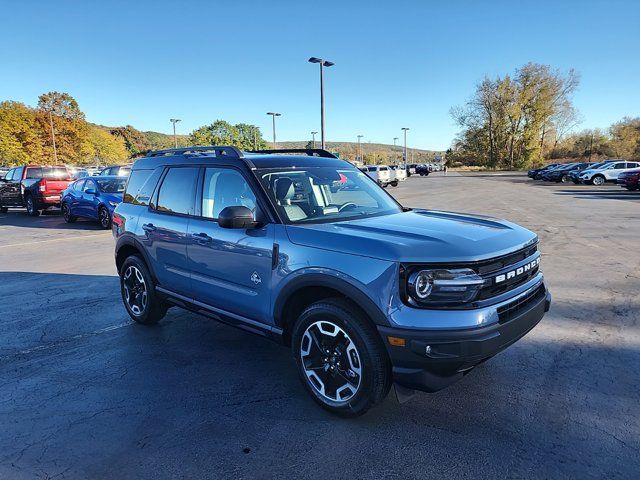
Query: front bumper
x: 433, y: 359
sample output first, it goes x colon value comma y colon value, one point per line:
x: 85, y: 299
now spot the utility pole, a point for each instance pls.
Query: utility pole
x: 323, y: 63
x: 395, y: 139
x: 273, y: 118
x: 175, y: 139
x: 360, y: 148
x: 313, y: 136
x: 404, y: 153
x: 53, y: 139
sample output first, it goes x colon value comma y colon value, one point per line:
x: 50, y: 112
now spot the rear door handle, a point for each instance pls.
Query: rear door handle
x: 149, y: 227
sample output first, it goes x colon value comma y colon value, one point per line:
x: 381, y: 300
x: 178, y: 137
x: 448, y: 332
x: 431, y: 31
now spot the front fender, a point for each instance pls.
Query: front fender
x: 345, y: 284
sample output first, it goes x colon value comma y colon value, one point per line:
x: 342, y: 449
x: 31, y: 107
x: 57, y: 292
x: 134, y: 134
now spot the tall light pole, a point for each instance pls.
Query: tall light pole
x: 323, y: 63
x: 395, y: 139
x: 175, y: 139
x: 53, y: 139
x: 404, y: 153
x: 359, y: 148
x: 313, y: 135
x: 273, y: 118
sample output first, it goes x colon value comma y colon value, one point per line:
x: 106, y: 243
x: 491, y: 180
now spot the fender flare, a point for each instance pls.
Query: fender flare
x: 347, y: 289
x: 128, y: 240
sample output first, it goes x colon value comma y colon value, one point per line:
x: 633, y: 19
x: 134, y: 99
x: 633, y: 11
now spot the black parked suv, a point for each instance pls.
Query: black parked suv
x: 304, y: 248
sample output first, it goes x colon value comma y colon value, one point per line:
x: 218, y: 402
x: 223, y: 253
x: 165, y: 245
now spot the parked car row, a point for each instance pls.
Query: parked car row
x: 622, y: 172
x: 38, y: 188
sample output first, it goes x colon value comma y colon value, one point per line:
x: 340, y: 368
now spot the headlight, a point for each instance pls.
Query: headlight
x: 113, y: 204
x: 440, y: 287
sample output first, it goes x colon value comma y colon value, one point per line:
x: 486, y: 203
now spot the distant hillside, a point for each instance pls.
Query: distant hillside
x: 371, y: 152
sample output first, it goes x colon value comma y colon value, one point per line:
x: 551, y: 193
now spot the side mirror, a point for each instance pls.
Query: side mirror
x: 91, y: 191
x: 236, y: 217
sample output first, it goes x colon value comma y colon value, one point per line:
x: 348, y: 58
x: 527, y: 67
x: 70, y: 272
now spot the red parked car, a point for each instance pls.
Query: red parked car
x: 630, y: 179
x: 35, y: 187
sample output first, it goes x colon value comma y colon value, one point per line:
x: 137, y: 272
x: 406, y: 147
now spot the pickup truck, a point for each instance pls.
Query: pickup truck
x: 35, y: 187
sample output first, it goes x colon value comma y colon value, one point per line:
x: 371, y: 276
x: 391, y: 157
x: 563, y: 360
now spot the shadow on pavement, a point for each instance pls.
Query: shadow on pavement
x: 48, y: 219
x: 88, y: 392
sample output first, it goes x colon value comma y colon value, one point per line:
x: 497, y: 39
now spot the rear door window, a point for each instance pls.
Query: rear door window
x: 141, y: 185
x: 177, y: 191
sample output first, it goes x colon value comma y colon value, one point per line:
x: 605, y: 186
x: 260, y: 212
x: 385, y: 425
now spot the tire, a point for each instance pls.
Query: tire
x: 32, y: 208
x: 356, y: 373
x: 142, y: 304
x: 394, y: 184
x: 598, y: 180
x: 564, y: 178
x: 66, y: 214
x: 104, y: 217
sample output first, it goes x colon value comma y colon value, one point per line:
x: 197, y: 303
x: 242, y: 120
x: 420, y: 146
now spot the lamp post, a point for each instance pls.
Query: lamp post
x: 323, y: 63
x: 175, y: 139
x: 395, y: 139
x: 273, y: 118
x: 360, y: 148
x: 53, y: 139
x: 404, y: 153
x: 313, y: 135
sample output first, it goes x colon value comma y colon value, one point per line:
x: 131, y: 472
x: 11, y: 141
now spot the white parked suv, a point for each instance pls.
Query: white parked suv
x: 607, y: 173
x: 398, y: 172
x: 381, y: 174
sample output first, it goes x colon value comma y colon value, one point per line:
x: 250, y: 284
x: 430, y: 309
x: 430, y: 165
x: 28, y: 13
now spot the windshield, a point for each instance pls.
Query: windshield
x: 111, y: 185
x: 324, y: 194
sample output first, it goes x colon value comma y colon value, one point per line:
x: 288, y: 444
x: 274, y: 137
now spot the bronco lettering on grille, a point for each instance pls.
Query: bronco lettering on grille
x: 518, y: 271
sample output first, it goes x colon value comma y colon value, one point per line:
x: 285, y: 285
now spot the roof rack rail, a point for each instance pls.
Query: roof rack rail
x: 319, y: 152
x: 219, y: 151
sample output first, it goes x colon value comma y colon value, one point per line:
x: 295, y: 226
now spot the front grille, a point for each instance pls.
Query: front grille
x: 511, y: 310
x: 506, y: 273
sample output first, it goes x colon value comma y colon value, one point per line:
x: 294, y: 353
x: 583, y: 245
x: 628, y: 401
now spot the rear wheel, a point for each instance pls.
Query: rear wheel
x: 564, y: 179
x: 32, y: 209
x: 341, y: 359
x: 598, y: 180
x: 66, y: 214
x: 139, y: 294
x: 104, y: 217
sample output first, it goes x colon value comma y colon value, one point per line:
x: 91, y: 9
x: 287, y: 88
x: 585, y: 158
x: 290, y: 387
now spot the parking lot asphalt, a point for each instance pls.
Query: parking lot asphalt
x: 85, y: 393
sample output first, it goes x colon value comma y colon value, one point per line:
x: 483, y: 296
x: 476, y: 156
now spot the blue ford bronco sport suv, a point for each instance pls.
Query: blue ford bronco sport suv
x: 302, y: 247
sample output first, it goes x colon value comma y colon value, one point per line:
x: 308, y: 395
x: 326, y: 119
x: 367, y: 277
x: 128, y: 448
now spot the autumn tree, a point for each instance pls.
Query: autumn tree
x: 513, y: 121
x: 221, y: 132
x: 19, y: 139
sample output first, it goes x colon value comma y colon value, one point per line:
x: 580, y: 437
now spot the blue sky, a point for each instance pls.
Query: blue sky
x: 403, y: 63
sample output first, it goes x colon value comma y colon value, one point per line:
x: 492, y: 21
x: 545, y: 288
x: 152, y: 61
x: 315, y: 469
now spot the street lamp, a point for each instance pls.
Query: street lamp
x: 404, y: 153
x: 273, y: 117
x: 360, y: 148
x: 323, y: 63
x: 313, y: 135
x: 175, y: 139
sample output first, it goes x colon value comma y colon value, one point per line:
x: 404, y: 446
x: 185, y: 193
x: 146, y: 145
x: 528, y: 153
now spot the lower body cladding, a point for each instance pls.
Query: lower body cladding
x: 430, y: 360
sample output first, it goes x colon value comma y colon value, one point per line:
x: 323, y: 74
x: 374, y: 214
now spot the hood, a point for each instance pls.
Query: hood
x: 417, y: 236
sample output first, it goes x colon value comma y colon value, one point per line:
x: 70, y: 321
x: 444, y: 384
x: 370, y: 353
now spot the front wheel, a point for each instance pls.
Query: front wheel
x: 138, y: 292
x: 598, y: 180
x: 341, y: 359
x: 31, y: 207
x: 564, y: 179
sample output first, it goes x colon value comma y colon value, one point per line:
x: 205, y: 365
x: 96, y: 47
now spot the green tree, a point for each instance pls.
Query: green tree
x: 250, y: 137
x: 61, y: 105
x: 218, y: 133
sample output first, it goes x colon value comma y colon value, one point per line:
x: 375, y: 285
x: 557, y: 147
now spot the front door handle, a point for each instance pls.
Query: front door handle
x: 149, y: 227
x: 201, y: 238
